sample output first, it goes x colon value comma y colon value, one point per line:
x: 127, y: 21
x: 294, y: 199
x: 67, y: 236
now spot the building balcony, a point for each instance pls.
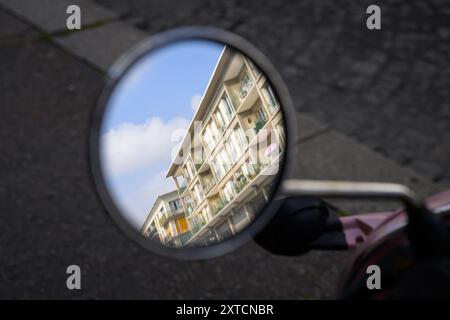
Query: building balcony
x: 197, y: 226
x: 243, y: 188
x: 152, y: 234
x: 208, y: 184
x: 184, y: 237
x: 189, y: 208
x: 243, y: 181
x: 259, y: 125
x: 198, y: 166
x: 166, y: 217
x: 248, y: 100
x: 181, y: 190
x: 215, y: 209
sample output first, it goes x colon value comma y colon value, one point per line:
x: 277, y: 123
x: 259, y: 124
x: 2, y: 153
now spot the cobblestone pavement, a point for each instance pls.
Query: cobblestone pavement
x: 388, y: 89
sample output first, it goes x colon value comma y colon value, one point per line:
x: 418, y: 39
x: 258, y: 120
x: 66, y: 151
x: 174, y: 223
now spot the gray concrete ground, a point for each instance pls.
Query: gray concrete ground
x: 51, y: 216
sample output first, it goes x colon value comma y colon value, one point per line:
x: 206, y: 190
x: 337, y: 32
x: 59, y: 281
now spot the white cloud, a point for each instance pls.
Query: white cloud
x: 147, y: 193
x: 132, y: 146
x: 195, y: 101
x: 137, y: 205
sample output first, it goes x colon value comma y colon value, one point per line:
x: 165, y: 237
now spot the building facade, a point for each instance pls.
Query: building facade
x: 227, y: 161
x: 166, y: 221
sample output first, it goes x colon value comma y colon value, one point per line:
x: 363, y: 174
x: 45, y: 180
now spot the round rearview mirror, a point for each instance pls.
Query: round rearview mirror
x: 189, y: 142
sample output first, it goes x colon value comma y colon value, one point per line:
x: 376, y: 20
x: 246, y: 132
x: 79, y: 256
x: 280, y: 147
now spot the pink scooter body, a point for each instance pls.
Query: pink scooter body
x: 373, y: 235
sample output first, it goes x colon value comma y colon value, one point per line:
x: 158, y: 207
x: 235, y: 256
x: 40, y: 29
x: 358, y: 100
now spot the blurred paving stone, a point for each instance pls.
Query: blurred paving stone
x: 103, y: 45
x: 308, y: 126
x: 11, y: 26
x: 51, y: 16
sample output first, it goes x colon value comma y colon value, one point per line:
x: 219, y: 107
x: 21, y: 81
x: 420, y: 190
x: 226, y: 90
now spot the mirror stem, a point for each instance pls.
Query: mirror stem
x: 428, y: 235
x: 351, y: 189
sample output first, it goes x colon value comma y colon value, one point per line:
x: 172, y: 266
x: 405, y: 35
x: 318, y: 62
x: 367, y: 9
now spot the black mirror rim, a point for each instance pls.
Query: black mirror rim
x: 121, y: 67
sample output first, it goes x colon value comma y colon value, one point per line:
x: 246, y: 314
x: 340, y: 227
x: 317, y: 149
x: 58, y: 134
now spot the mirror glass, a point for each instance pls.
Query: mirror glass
x: 190, y: 143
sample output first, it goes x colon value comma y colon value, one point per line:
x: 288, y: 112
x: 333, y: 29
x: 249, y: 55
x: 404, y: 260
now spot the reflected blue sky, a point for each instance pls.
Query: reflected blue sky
x: 155, y: 99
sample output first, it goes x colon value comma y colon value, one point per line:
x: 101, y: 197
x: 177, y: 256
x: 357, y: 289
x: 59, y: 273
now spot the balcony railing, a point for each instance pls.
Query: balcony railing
x: 208, y: 185
x: 164, y: 219
x: 242, y: 183
x: 197, y: 226
x: 169, y: 215
x: 185, y: 237
x: 259, y: 125
x: 218, y: 207
x: 190, y: 207
x: 152, y: 233
x: 198, y: 166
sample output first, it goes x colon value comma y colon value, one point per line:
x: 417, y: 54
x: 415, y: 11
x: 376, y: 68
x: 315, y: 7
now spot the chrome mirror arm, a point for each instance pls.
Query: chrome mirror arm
x: 352, y: 189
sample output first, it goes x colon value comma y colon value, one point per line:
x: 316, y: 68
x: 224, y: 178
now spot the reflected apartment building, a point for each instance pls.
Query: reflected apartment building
x: 166, y: 221
x: 227, y: 161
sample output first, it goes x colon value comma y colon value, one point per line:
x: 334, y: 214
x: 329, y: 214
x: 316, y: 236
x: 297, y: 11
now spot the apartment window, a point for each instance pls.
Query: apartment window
x: 246, y: 84
x: 221, y: 163
x: 228, y: 191
x: 193, y: 224
x: 214, y: 130
x: 187, y: 175
x: 224, y: 159
x: 254, y: 68
x: 248, y: 170
x: 241, y: 135
x: 240, y: 138
x: 175, y: 205
x: 226, y: 108
x: 261, y: 115
x: 231, y: 148
x: 261, y: 119
x: 168, y: 232
x: 224, y: 231
x: 208, y: 183
x: 220, y: 119
x: 269, y: 95
x: 236, y: 148
x: 198, y: 221
x: 208, y: 138
x: 281, y: 136
x: 205, y: 214
x: 217, y: 169
x: 191, y: 167
x: 198, y: 192
x: 189, y: 204
x: 181, y: 181
x: 236, y: 143
x: 173, y: 228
